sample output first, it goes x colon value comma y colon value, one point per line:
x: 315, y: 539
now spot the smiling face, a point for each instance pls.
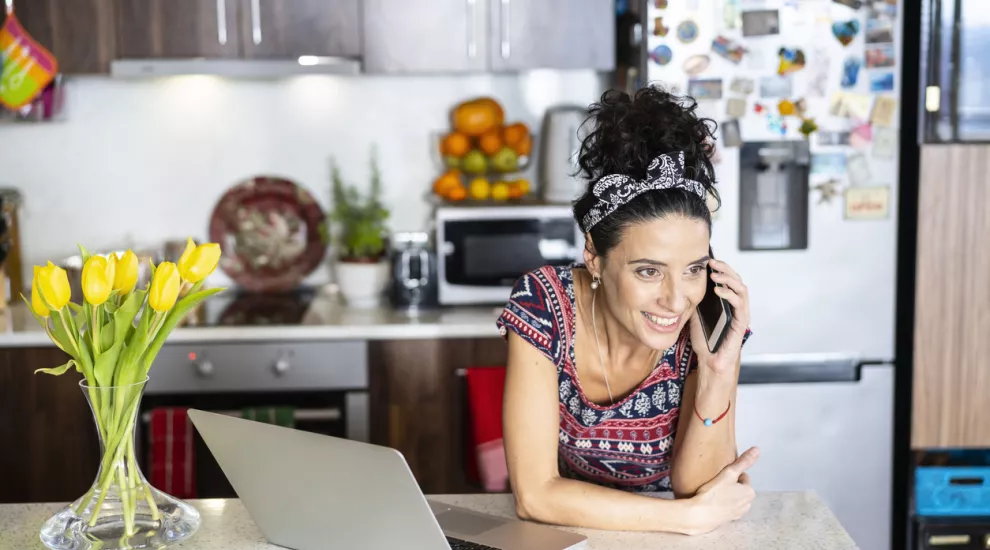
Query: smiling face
x: 654, y: 277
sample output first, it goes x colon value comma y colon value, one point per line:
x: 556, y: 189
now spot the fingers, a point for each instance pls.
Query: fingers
x: 722, y: 267
x: 743, y: 463
x: 744, y: 479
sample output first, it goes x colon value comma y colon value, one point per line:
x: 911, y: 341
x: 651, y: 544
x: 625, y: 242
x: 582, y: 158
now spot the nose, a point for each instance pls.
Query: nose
x: 672, y: 296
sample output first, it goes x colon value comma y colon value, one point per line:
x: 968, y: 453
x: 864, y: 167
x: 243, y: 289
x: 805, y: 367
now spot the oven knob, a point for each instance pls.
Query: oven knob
x: 203, y: 367
x: 282, y: 366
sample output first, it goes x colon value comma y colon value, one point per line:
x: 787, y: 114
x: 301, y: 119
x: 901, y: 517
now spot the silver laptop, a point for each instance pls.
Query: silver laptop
x: 309, y: 491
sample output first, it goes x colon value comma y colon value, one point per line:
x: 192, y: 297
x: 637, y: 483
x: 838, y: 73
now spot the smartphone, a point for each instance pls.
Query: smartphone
x: 714, y: 312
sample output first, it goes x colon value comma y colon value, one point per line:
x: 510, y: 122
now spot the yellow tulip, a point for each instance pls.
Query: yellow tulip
x: 197, y: 262
x: 164, y: 287
x: 37, y: 305
x: 126, y: 275
x: 54, y: 285
x: 97, y: 279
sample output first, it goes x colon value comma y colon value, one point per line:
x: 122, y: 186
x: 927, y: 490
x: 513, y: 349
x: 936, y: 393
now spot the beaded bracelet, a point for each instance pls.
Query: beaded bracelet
x: 709, y: 421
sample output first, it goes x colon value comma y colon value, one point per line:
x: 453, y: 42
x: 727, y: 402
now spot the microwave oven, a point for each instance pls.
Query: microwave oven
x: 483, y: 250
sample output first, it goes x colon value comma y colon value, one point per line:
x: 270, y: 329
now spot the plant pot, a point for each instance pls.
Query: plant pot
x: 362, y: 283
x: 121, y: 510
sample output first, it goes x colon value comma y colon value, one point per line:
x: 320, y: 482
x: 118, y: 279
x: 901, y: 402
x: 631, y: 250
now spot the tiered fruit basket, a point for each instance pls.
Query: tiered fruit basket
x: 482, y: 159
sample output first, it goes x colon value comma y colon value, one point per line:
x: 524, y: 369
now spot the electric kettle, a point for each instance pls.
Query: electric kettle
x: 563, y: 130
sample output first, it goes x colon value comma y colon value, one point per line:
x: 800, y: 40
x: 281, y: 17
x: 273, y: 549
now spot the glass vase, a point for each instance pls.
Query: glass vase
x: 121, y: 510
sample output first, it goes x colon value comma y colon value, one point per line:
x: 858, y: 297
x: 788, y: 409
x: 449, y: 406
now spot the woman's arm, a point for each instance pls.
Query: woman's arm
x: 531, y: 421
x: 701, y: 452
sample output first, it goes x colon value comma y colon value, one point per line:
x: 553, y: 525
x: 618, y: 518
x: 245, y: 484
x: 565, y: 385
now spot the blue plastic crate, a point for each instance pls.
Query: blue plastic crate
x: 952, y: 490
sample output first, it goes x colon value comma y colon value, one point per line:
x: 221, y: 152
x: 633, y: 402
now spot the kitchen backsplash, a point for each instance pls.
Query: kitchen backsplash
x: 137, y: 162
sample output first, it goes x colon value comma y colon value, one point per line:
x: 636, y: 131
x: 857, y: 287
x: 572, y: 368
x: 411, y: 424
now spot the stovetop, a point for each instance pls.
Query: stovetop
x: 235, y: 307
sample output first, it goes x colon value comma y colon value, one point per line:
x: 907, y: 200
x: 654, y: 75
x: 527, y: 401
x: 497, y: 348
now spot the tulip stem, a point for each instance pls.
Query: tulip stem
x: 95, y: 329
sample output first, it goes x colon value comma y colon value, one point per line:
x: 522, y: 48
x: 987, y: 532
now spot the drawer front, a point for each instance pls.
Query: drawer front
x: 198, y: 367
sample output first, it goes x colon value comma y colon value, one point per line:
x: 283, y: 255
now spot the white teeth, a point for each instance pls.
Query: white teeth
x: 660, y: 320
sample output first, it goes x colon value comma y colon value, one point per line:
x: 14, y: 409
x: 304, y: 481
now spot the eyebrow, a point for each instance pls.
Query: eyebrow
x: 647, y: 261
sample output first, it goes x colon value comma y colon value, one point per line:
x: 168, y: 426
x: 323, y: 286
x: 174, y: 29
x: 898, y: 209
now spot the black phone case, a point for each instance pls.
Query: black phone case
x: 725, y: 306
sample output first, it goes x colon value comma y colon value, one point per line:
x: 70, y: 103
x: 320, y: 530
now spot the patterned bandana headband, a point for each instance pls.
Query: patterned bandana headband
x: 614, y: 190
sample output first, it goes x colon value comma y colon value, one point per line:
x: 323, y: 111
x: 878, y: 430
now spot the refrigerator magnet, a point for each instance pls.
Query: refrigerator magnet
x: 882, y: 82
x: 661, y: 55
x: 660, y: 4
x: 760, y: 23
x: 858, y: 169
x: 861, y: 136
x: 705, y: 88
x: 854, y: 4
x: 885, y: 143
x: 730, y: 133
x: 696, y: 64
x: 776, y: 86
x: 832, y: 138
x: 879, y: 56
x: 728, y: 49
x: 791, y: 59
x: 884, y: 111
x: 741, y: 85
x: 808, y: 127
x: 845, y: 31
x: 687, y: 31
x: 850, y: 72
x: 827, y: 190
x: 867, y: 203
x: 658, y: 27
x: 735, y: 107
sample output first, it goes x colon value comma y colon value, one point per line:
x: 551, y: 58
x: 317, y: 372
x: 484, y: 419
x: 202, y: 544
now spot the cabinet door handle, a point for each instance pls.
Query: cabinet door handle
x: 472, y: 48
x: 222, y: 22
x: 503, y: 25
x: 256, y: 21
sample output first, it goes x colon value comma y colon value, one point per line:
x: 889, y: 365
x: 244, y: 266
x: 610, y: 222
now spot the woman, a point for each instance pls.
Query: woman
x: 610, y: 389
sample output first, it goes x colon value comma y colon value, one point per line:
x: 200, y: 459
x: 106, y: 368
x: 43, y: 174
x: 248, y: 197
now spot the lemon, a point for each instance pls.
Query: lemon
x: 500, y: 191
x: 479, y: 189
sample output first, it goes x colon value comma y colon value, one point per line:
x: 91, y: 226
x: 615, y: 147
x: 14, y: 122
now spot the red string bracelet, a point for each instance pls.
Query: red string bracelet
x: 709, y: 421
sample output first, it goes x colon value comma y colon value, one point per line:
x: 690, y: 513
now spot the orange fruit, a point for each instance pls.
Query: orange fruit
x: 491, y: 141
x: 513, y: 134
x: 455, y: 144
x: 449, y: 180
x: 515, y: 192
x: 477, y: 116
x: 522, y: 185
x: 458, y: 193
x: 524, y: 147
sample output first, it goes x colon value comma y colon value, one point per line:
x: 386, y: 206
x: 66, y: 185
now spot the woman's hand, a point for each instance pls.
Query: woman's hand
x: 725, y: 498
x: 735, y: 293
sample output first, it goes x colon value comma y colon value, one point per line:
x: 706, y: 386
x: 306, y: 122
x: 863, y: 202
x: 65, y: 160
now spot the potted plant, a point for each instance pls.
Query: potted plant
x: 359, y: 236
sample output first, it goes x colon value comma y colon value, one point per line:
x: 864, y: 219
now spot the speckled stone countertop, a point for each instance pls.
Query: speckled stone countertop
x: 777, y: 521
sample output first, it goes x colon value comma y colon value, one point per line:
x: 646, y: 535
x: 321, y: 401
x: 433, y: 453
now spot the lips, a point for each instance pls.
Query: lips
x: 660, y: 323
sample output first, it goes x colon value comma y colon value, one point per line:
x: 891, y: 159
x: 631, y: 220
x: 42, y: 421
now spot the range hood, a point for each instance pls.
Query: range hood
x: 235, y: 68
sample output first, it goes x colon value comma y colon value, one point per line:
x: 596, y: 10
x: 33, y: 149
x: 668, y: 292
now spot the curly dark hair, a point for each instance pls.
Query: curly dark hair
x: 629, y: 132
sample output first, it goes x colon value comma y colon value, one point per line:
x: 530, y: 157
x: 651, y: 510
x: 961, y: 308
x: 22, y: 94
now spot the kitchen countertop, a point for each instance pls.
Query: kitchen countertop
x: 785, y: 521
x: 325, y: 319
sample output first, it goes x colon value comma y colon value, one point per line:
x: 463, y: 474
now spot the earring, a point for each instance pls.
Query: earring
x: 596, y: 283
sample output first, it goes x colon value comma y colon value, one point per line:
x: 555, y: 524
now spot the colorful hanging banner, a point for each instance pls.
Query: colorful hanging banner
x: 27, y: 66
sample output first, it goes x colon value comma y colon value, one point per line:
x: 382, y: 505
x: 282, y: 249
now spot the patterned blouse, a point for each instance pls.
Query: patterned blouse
x: 624, y: 446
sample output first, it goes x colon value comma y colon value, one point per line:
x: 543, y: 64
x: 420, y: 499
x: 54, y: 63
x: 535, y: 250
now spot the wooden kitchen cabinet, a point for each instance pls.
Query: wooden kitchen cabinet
x: 285, y: 29
x: 148, y: 29
x: 419, y: 405
x: 424, y: 36
x: 952, y: 299
x: 49, y: 445
x: 78, y: 33
x: 464, y: 36
x: 553, y: 34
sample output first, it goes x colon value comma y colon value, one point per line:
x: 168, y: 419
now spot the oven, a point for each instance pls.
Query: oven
x: 322, y: 386
x: 484, y: 249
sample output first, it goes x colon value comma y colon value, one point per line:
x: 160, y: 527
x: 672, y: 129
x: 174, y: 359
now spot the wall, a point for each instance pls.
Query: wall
x: 137, y: 162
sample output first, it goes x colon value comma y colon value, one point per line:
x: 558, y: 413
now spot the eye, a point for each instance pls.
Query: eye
x: 696, y: 269
x: 648, y: 272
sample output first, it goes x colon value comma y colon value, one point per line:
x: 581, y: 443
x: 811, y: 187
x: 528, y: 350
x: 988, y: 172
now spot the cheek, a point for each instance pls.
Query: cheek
x: 695, y: 291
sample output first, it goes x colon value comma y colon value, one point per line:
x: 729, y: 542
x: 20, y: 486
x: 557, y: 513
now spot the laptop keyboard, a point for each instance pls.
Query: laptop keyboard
x: 458, y: 544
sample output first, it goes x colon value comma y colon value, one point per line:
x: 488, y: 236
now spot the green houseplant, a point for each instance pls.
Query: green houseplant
x: 358, y: 229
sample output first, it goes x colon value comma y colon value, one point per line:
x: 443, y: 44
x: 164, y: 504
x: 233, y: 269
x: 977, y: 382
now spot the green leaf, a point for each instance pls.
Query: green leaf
x: 107, y: 335
x: 152, y: 264
x: 123, y: 318
x: 59, y: 370
x: 106, y: 365
x: 182, y: 307
x: 85, y: 253
x: 76, y: 308
x: 59, y: 329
